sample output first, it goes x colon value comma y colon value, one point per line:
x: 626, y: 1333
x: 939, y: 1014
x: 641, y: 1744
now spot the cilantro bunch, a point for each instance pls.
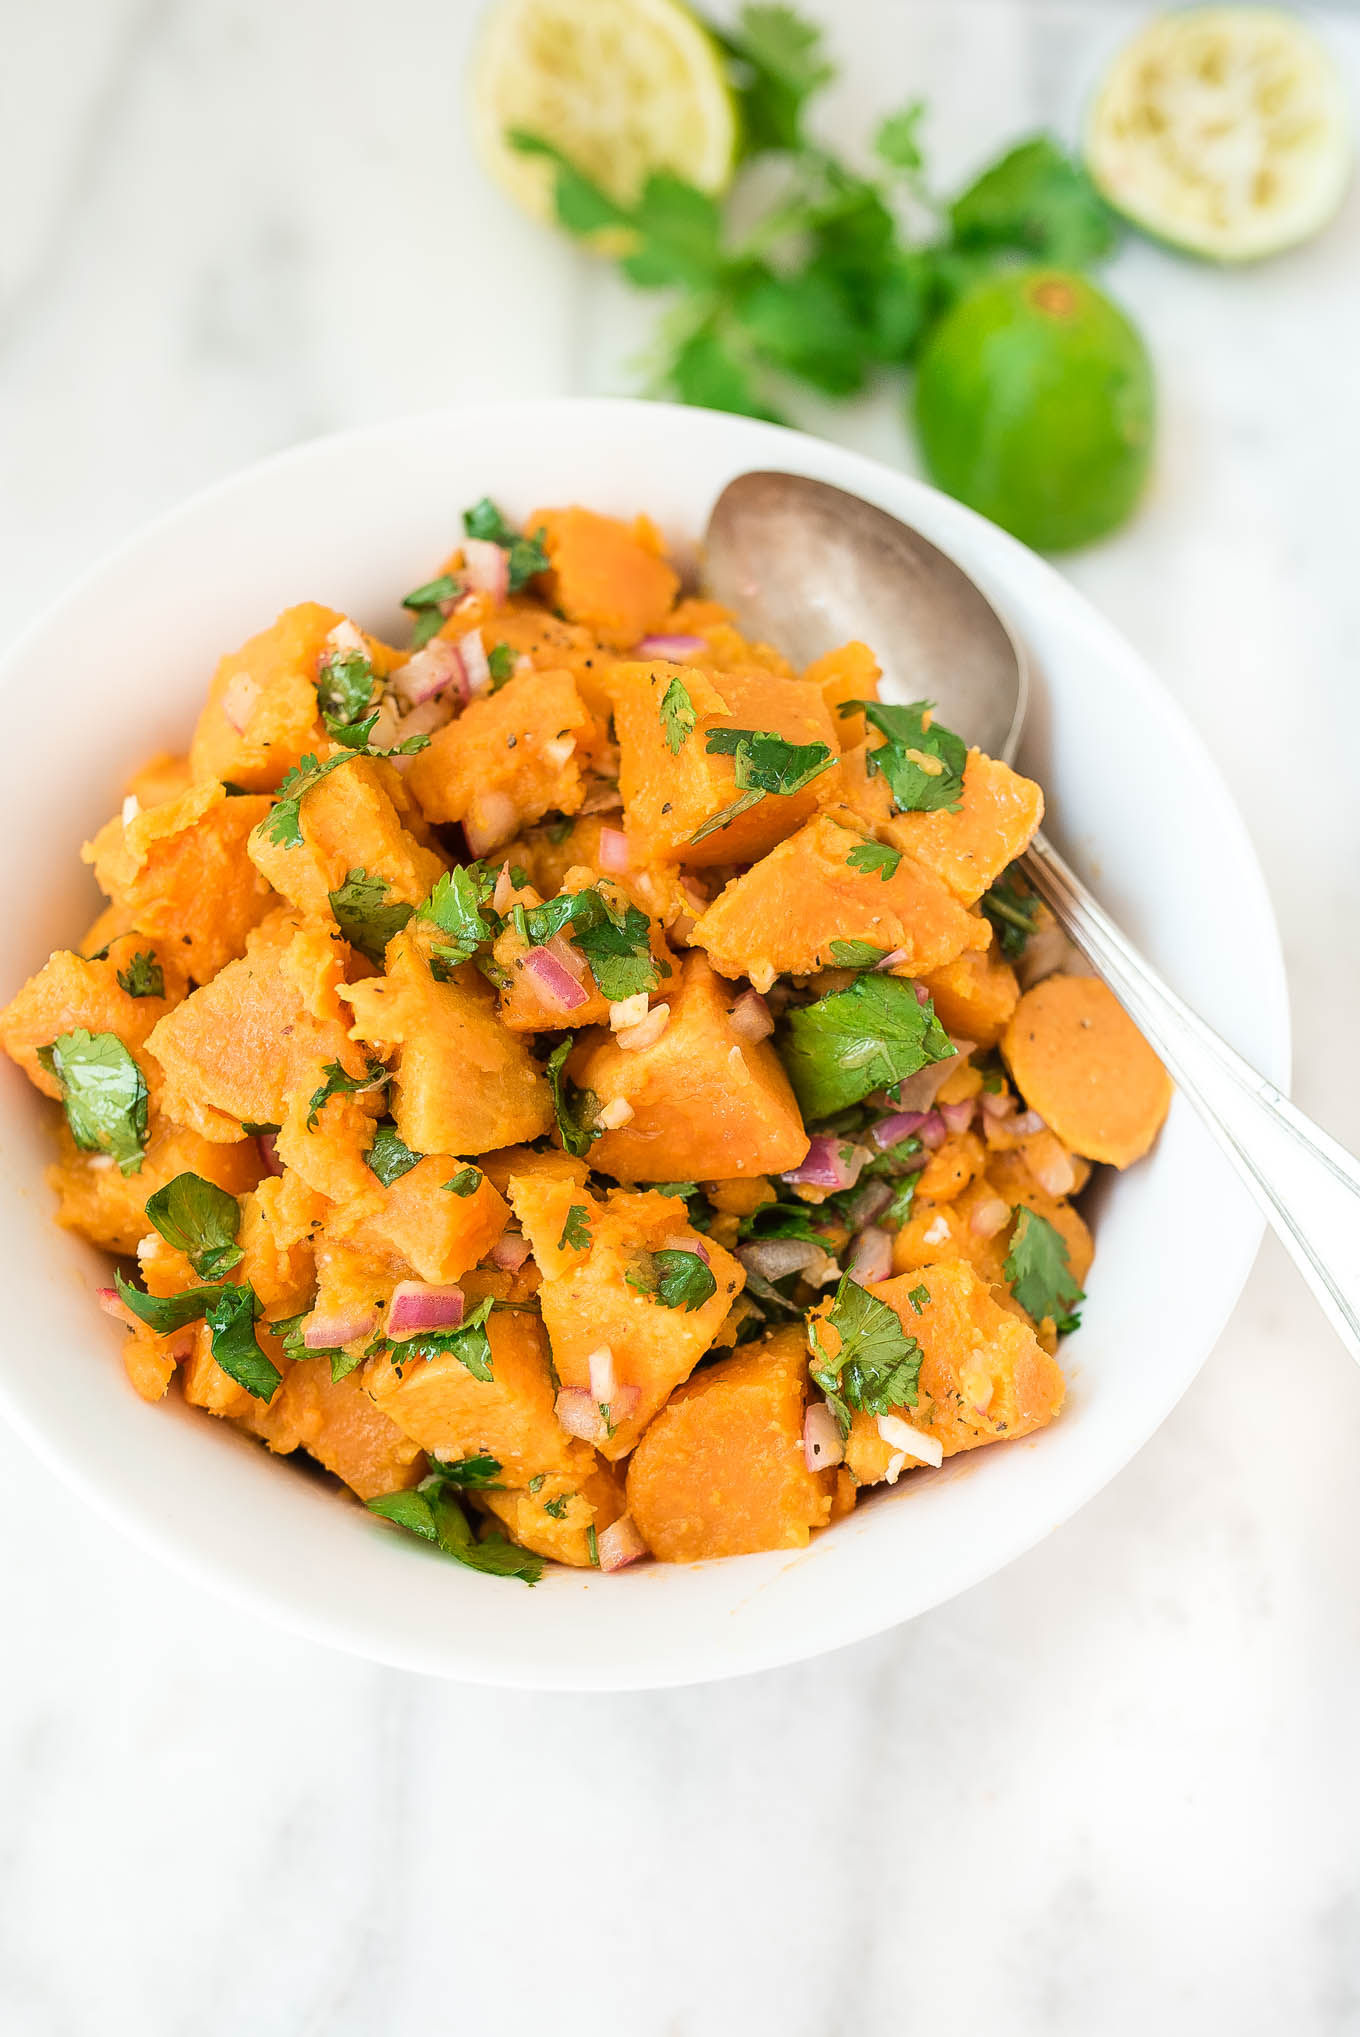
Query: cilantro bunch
x: 845, y: 270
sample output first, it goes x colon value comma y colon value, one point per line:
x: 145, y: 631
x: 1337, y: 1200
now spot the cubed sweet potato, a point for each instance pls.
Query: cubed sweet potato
x: 162, y: 777
x: 354, y: 820
x: 1009, y: 1178
x: 724, y: 649
x: 419, y: 1223
x: 984, y: 1376
x: 974, y: 995
x: 508, y: 758
x: 968, y: 850
x: 952, y: 1166
x: 554, y: 1521
x: 269, y: 686
x: 602, y: 1295
x: 671, y: 795
x: 71, y: 991
x: 787, y: 913
x: 721, y: 1471
x: 336, y: 1422
x: 1079, y: 1060
x: 705, y: 1102
x: 182, y: 872
x: 605, y: 574
x: 279, y: 1222
x: 848, y: 673
x: 974, y: 1226
x: 463, y: 1083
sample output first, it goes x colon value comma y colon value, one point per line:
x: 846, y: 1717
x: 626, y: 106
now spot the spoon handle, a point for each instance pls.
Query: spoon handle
x: 1307, y: 1184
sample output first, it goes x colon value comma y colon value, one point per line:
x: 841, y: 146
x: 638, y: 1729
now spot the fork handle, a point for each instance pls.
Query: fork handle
x: 1307, y: 1184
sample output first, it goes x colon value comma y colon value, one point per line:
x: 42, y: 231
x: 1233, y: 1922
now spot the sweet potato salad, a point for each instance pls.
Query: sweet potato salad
x: 598, y: 1091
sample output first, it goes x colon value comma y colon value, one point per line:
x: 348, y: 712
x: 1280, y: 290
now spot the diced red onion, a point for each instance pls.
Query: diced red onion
x: 269, y: 1152
x: 619, y: 1545
x: 476, y: 665
x: 647, y: 1031
x: 989, y: 1217
x: 822, y: 1445
x: 486, y: 567
x: 112, y: 1303
x: 1054, y: 1172
x: 553, y: 981
x: 775, y: 1258
x: 676, y: 648
x: 933, y: 1133
x: 1047, y: 951
x: 510, y: 1251
x: 494, y: 820
x: 1026, y: 1123
x: 681, y: 1243
x: 579, y: 1411
x: 239, y: 700
x: 999, y: 1104
x: 750, y: 1017
x: 892, y: 960
x: 957, y: 1116
x: 600, y: 1365
x: 869, y: 1200
x: 322, y: 1332
x: 613, y: 851
x: 417, y: 1306
x: 871, y: 1258
x: 431, y: 671
x: 830, y: 1163
x: 919, y: 1091
x: 903, y: 1124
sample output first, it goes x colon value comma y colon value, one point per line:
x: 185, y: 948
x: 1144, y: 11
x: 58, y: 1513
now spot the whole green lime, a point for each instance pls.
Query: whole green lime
x: 1035, y: 405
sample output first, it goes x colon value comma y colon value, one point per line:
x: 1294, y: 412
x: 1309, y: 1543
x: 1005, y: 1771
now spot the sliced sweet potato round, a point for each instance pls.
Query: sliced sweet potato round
x: 1080, y: 1061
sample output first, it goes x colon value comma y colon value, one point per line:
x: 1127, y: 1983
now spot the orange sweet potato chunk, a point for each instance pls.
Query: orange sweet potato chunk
x: 463, y: 1083
x: 279, y: 1223
x: 355, y: 819
x: 974, y: 995
x: 721, y: 1471
x: 968, y: 850
x: 784, y: 914
x: 526, y: 1006
x: 725, y: 648
x: 947, y: 1230
x: 705, y: 1103
x: 109, y: 1207
x: 441, y: 1406
x: 555, y: 1519
x: 243, y: 1046
x: 849, y: 673
x: 1009, y: 1178
x: 669, y: 796
x: 984, y: 1376
x: 162, y: 777
x: 948, y: 1171
x: 270, y: 684
x: 181, y: 871
x: 605, y: 574
x: 589, y: 1302
x: 71, y: 991
x: 508, y: 758
x: 419, y: 1224
x: 336, y: 1422
x: 1079, y: 1060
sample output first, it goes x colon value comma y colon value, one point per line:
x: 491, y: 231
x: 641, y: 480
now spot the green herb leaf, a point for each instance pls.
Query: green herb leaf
x: 231, y: 1316
x: 433, y: 1513
x: 455, y: 907
x: 762, y: 763
x: 914, y: 787
x: 469, y: 1344
x: 779, y: 65
x: 1013, y: 911
x: 103, y: 1092
x: 389, y: 1157
x: 871, y: 857
x: 706, y: 370
x: 143, y: 977
x: 344, y: 688
x: 778, y: 1220
x: 557, y: 1507
x: 868, y: 1036
x: 364, y: 917
x: 480, y: 1471
x: 878, y: 1366
x: 682, y: 1280
x: 1039, y: 1273
x: 199, y: 1219
x: 576, y: 1232
x: 337, y: 1083
x: 677, y: 715
x: 428, y: 604
x: 898, y: 140
x: 593, y: 1547
x: 898, y: 1211
x: 465, y: 1182
x: 575, y: 1109
x: 527, y: 555
x: 1037, y: 201
x: 501, y: 661
x: 283, y: 822
x: 163, y: 1312
x: 856, y: 954
x: 616, y: 941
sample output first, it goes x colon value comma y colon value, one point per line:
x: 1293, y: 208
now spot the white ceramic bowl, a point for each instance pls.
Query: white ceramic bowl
x: 118, y: 668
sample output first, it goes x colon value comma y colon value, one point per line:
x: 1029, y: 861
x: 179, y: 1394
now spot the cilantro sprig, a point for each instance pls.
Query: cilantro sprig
x: 576, y: 1110
x: 875, y: 859
x: 103, y: 1093
x: 865, y: 1037
x: 1037, y: 1268
x: 612, y: 934
x: 231, y: 1314
x: 199, y: 1219
x: 876, y: 1366
x: 762, y: 763
x: 365, y: 916
x: 922, y: 761
x: 143, y: 977
x: 283, y: 823
x: 431, y: 1511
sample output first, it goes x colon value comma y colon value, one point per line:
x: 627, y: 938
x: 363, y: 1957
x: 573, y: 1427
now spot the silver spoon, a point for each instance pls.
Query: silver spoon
x: 806, y: 566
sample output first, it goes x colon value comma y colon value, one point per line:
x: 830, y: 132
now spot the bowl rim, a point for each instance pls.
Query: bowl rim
x: 352, y: 1633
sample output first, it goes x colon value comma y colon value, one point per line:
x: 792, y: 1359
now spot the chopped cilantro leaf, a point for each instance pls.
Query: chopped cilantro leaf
x: 677, y: 715
x: 163, y: 1312
x: 867, y: 1036
x: 231, y: 1316
x: 429, y: 604
x: 918, y: 1297
x: 1037, y: 1268
x: 283, y: 823
x: 481, y: 1470
x: 465, y: 1182
x: 455, y: 907
x: 683, y: 1280
x: 103, y: 1092
x: 856, y: 954
x: 344, y: 689
x: 364, y: 917
x: 557, y: 1507
x: 500, y: 661
x: 922, y: 761
x: 1013, y: 911
x: 527, y: 556
x: 576, y: 1232
x: 762, y: 763
x: 876, y: 1366
x: 874, y: 857
x: 199, y: 1219
x: 898, y: 1211
x: 432, y: 1512
x: 593, y: 1547
x: 337, y: 1083
x: 778, y: 1220
x: 575, y: 1109
x: 389, y: 1157
x: 143, y: 977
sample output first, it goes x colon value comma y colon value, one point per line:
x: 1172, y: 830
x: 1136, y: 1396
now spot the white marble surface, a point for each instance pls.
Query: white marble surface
x: 1117, y: 1786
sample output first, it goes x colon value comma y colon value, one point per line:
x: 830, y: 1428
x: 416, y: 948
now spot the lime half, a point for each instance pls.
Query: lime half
x: 1223, y: 130
x: 623, y: 87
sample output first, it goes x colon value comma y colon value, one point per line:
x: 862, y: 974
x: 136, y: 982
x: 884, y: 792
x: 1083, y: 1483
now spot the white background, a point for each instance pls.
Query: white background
x: 1117, y: 1787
